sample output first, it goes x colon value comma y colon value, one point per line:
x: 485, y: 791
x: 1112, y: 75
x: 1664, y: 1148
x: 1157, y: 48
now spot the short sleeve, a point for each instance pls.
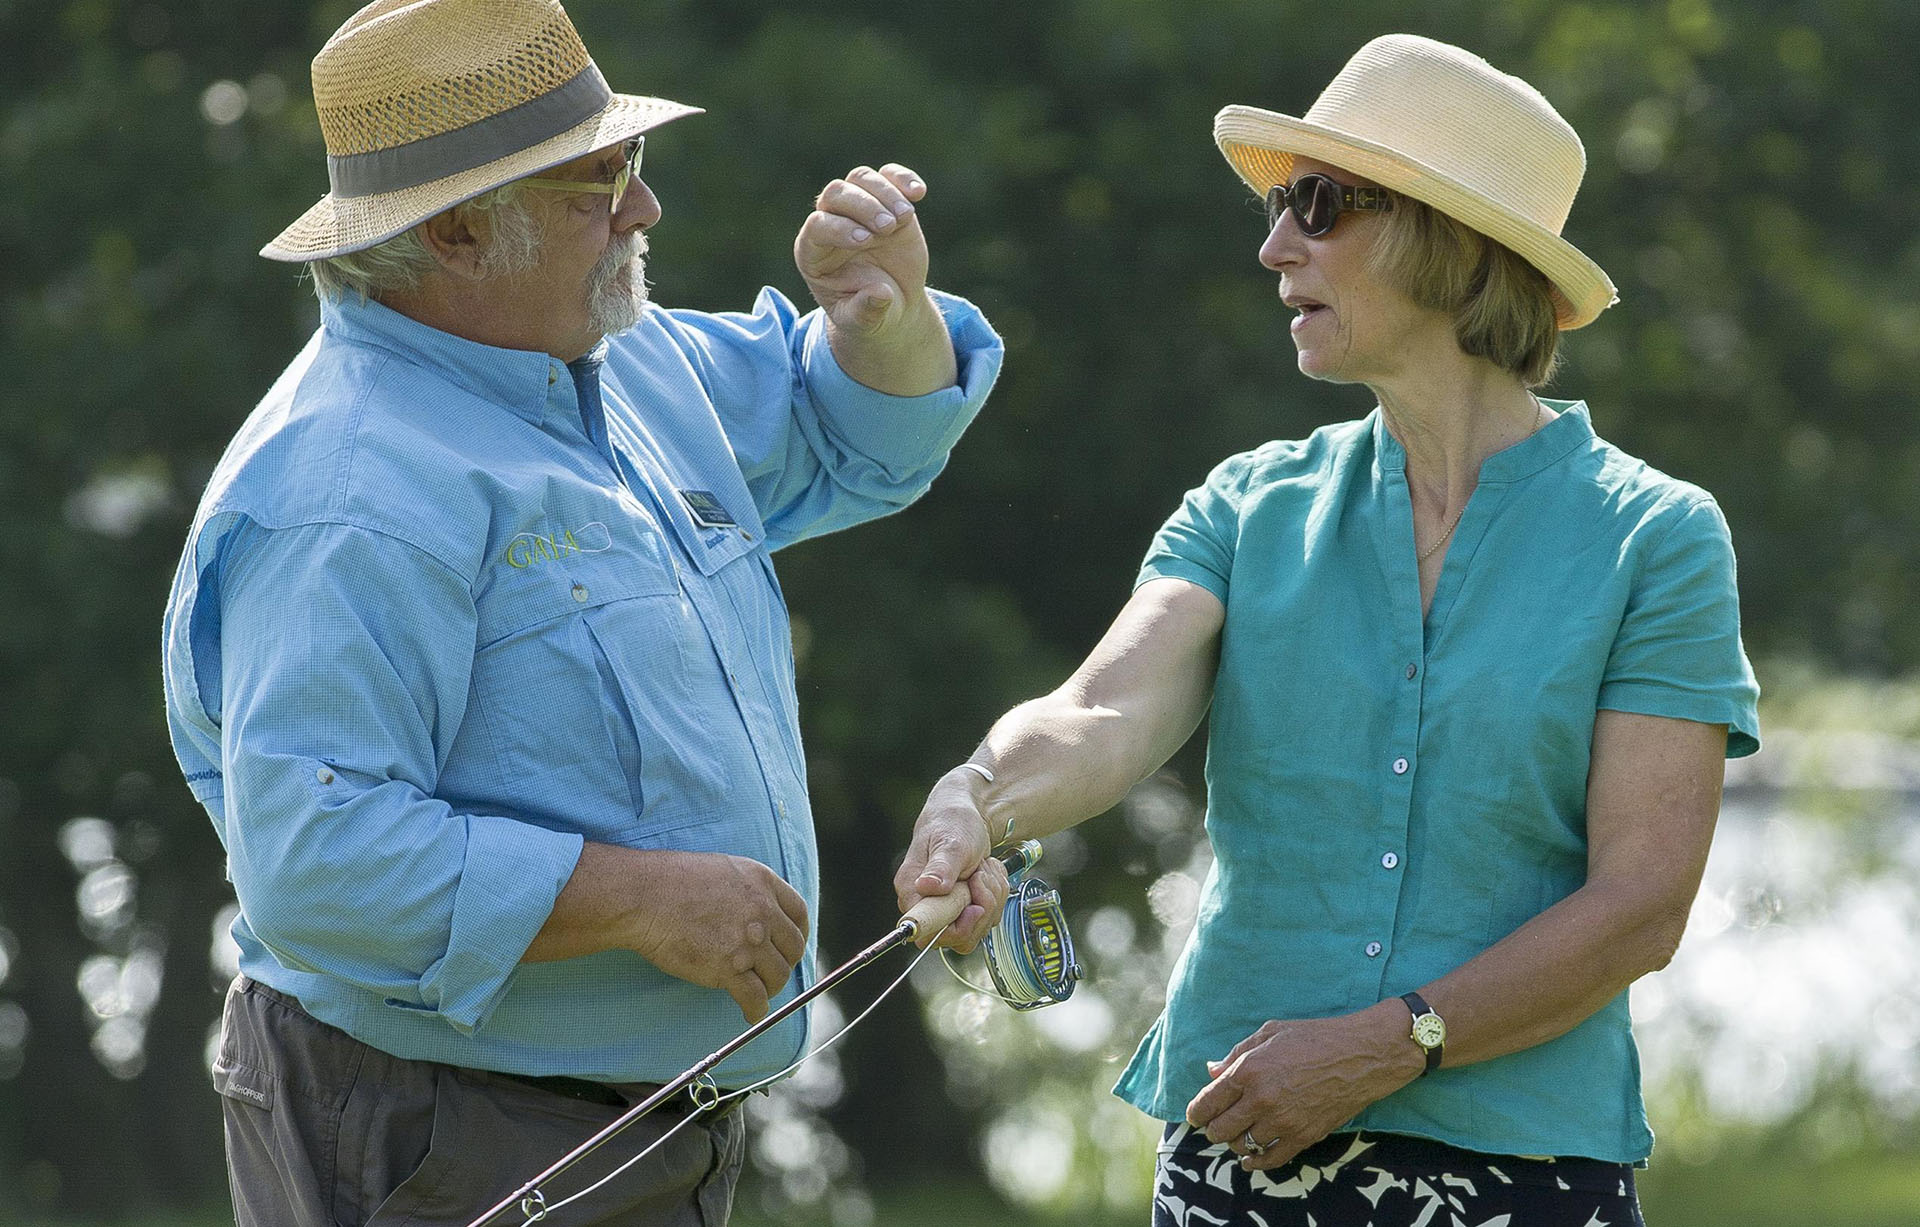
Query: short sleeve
x: 1197, y: 542
x: 1678, y: 652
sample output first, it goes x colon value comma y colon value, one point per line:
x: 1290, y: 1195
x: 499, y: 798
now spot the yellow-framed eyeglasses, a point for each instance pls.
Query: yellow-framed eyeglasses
x: 622, y: 178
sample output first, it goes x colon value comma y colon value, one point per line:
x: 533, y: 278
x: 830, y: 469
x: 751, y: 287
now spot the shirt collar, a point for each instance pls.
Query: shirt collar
x: 1568, y: 432
x: 517, y: 379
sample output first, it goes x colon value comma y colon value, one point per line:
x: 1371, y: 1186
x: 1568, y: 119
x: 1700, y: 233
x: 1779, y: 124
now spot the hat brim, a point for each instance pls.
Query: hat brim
x: 1261, y: 146
x: 338, y: 225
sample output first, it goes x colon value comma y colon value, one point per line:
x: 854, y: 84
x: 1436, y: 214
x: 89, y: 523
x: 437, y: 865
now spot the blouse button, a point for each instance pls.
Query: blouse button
x: 580, y: 593
x: 1373, y: 950
x: 1413, y: 671
x: 1390, y: 861
x: 324, y: 776
x: 1399, y: 766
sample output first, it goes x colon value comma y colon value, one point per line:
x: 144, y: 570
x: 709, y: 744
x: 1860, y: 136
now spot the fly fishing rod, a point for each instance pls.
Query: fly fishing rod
x: 1029, y: 954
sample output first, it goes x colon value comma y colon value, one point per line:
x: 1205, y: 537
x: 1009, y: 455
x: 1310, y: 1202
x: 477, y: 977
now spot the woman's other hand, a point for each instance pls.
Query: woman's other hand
x: 1293, y: 1082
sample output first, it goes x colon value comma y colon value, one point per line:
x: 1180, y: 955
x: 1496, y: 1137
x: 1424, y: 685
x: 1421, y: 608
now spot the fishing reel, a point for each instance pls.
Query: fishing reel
x: 1029, y: 952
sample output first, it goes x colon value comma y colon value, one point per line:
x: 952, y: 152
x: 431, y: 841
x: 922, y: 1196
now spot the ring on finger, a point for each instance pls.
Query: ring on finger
x: 1253, y: 1147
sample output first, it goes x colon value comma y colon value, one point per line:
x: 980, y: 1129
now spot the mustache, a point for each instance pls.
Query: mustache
x: 622, y: 250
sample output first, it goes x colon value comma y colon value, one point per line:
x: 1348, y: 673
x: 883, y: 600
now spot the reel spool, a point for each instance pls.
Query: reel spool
x: 1029, y: 952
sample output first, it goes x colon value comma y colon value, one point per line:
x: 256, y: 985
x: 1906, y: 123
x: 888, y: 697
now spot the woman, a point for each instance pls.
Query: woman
x: 1472, y: 674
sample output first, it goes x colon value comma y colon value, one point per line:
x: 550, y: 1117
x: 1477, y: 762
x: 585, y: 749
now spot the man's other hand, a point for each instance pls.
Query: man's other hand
x: 861, y: 249
x: 723, y: 922
x: 715, y: 920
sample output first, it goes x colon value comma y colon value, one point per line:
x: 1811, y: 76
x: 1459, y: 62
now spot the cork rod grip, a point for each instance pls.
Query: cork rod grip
x: 936, y: 912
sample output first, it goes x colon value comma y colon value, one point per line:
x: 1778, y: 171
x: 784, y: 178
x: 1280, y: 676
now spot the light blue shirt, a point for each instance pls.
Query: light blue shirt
x: 1388, y: 795
x: 439, y: 622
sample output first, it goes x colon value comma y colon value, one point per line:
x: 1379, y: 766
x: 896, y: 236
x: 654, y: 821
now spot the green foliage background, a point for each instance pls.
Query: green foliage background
x: 1752, y: 187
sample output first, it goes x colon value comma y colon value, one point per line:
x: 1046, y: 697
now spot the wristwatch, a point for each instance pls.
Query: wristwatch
x: 1429, y: 1030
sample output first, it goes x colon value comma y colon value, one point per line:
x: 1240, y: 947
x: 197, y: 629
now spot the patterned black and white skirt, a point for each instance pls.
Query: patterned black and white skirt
x: 1385, y: 1180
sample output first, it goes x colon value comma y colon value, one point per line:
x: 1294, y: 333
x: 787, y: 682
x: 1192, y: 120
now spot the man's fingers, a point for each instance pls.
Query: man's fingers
x: 832, y: 230
x: 872, y: 306
x: 790, y: 941
x: 791, y: 903
x: 856, y: 203
x: 882, y: 188
x: 910, y: 184
x: 750, y: 995
x: 772, y: 971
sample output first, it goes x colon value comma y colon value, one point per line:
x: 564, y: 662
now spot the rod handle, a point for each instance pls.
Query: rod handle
x: 936, y: 912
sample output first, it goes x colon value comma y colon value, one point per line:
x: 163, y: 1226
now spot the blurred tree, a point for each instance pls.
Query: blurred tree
x: 1752, y: 187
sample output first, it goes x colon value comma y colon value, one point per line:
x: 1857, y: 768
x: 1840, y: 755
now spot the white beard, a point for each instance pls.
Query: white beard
x: 617, y: 286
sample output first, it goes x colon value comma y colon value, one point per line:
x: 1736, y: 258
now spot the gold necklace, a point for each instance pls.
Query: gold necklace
x: 1442, y: 538
x: 1538, y: 410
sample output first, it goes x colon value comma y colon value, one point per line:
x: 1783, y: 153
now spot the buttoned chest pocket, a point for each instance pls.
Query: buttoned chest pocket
x: 591, y: 663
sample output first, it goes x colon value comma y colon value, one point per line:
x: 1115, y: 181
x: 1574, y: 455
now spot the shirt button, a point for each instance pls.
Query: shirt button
x: 553, y: 375
x: 1413, y: 671
x: 324, y: 776
x: 1390, y: 861
x: 1373, y: 950
x: 1399, y: 766
x: 580, y: 593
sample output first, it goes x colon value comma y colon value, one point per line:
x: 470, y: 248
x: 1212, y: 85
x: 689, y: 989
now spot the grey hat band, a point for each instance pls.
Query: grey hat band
x: 480, y: 142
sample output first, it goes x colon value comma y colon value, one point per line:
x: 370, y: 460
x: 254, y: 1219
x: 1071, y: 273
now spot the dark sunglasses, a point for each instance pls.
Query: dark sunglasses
x: 1316, y: 202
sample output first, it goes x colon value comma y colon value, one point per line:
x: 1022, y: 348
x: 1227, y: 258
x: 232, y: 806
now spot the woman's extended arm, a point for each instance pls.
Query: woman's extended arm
x: 1074, y: 753
x: 1653, y: 795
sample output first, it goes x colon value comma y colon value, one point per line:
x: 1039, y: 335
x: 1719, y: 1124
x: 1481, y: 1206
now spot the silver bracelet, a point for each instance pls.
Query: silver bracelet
x: 986, y: 773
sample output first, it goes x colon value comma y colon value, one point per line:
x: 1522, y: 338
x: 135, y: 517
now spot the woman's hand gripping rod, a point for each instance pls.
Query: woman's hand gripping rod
x: 931, y: 915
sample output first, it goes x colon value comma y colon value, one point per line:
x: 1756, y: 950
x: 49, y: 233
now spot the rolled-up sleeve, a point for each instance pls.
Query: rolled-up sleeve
x: 1678, y: 652
x: 346, y: 657
x: 819, y: 450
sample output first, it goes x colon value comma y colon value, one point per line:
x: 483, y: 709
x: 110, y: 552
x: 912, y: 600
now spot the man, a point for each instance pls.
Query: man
x: 476, y: 655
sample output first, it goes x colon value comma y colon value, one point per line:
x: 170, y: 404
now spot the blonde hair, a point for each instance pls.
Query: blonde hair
x: 513, y: 246
x: 1502, y: 306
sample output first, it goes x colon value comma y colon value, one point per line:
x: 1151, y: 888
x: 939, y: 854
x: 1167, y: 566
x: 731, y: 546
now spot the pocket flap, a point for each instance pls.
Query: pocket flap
x: 244, y: 1083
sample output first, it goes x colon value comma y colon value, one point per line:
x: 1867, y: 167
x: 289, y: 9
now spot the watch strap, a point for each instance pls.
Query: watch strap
x: 1420, y: 1009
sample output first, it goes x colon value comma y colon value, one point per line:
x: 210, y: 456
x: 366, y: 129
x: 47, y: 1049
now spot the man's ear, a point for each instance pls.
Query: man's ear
x: 454, y: 242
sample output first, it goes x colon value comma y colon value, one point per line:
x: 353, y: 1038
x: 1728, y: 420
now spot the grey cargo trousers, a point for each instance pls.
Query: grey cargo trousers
x: 324, y: 1131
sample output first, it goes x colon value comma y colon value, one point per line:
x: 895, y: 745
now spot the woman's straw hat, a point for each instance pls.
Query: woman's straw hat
x: 1443, y: 126
x: 426, y: 103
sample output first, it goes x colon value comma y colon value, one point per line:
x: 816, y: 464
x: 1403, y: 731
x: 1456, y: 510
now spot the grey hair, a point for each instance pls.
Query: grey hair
x: 397, y: 265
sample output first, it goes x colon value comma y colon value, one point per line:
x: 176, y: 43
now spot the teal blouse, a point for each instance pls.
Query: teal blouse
x: 1387, y: 795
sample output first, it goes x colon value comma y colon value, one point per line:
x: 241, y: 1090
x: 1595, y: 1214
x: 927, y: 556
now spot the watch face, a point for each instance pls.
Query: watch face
x: 1429, y: 1031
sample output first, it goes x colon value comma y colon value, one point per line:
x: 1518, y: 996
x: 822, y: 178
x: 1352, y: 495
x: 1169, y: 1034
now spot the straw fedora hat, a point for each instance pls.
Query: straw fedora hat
x: 1443, y: 126
x: 426, y: 103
